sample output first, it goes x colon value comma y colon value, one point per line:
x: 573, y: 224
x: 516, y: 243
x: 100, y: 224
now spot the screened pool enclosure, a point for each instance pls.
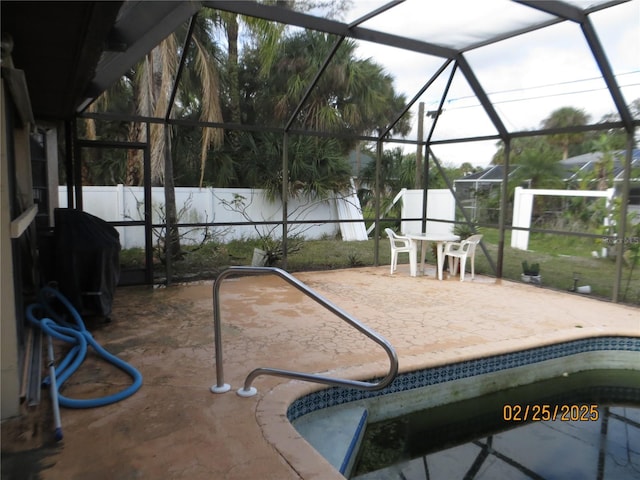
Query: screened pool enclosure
x: 450, y: 82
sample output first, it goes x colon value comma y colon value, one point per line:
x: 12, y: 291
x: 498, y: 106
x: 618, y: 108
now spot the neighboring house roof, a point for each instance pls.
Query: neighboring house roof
x: 574, y: 168
x: 582, y: 164
x: 491, y: 174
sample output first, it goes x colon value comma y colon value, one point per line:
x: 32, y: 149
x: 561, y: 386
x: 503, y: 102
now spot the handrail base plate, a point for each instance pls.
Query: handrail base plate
x: 222, y: 389
x: 249, y: 392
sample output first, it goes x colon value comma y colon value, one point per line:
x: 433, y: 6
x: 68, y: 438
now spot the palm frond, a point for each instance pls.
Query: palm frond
x: 211, y: 110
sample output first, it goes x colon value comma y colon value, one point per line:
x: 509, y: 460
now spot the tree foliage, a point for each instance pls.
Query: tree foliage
x: 567, y: 144
x: 566, y: 117
x: 352, y: 96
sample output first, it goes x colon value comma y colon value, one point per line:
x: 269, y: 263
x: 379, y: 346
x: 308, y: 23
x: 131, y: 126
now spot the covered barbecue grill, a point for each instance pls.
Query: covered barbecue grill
x: 87, y: 260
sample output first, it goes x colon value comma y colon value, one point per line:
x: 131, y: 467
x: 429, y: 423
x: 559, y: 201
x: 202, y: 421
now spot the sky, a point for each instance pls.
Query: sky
x: 527, y: 77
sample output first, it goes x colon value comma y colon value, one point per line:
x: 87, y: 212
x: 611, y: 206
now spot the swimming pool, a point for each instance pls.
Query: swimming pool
x: 582, y: 425
x: 334, y: 420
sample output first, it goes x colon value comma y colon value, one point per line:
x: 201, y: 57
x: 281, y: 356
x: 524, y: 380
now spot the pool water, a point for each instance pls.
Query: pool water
x: 595, y: 434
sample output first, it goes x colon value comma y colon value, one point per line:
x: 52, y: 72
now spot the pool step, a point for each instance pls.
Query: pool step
x: 336, y: 435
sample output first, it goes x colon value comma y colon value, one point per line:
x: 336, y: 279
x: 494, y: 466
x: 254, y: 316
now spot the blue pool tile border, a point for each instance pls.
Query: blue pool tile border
x: 407, y: 381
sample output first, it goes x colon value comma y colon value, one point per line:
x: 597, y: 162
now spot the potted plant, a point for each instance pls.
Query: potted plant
x: 531, y: 273
x: 271, y: 248
x: 270, y: 252
x: 464, y: 230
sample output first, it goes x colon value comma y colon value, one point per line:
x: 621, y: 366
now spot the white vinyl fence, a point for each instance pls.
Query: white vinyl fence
x: 219, y: 205
x: 441, y: 205
x: 523, y: 207
x: 234, y: 205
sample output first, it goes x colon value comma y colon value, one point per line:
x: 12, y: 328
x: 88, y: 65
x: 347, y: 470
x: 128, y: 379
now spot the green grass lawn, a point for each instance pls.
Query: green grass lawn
x: 559, y: 257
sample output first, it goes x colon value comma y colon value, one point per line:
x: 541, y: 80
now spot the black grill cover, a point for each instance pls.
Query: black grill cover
x: 87, y: 263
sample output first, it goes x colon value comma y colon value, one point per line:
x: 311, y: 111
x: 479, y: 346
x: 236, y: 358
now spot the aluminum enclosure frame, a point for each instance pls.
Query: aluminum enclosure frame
x: 562, y: 11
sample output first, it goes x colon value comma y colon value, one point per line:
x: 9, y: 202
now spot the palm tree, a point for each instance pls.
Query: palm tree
x: 148, y: 88
x: 264, y: 33
x: 519, y: 148
x: 351, y: 96
x: 602, y: 174
x: 539, y: 168
x: 566, y: 117
x: 157, y: 73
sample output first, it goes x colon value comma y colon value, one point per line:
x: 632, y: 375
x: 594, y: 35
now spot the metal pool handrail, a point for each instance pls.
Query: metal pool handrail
x: 248, y: 390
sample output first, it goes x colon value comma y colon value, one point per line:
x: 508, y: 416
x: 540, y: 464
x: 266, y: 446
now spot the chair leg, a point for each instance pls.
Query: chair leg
x: 473, y: 270
x: 394, y: 259
x: 463, y: 267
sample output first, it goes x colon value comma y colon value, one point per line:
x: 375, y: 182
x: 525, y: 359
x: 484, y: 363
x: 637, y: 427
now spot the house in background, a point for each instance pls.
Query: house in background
x: 479, y: 192
x: 583, y: 165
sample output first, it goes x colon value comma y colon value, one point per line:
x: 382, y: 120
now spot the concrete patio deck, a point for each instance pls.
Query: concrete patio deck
x: 175, y: 428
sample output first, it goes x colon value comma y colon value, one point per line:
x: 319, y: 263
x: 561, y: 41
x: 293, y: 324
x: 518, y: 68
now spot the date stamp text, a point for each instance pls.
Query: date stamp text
x: 543, y: 412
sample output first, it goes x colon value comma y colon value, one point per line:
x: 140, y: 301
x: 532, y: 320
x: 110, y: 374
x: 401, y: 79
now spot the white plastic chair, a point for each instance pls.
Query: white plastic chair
x: 400, y: 244
x: 459, y: 251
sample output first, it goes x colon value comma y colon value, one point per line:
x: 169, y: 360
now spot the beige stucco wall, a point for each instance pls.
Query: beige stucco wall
x: 9, y: 381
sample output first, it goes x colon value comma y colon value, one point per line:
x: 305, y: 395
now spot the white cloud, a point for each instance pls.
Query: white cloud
x: 550, y: 68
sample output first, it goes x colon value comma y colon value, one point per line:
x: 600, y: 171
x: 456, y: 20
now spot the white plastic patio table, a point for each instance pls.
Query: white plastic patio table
x: 440, y: 239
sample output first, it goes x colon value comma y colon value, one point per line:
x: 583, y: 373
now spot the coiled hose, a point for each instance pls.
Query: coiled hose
x: 42, y: 315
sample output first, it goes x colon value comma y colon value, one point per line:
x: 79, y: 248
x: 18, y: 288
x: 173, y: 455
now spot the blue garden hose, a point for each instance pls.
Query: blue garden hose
x: 42, y: 315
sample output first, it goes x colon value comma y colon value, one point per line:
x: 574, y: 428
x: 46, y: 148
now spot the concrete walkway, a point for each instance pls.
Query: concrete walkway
x: 175, y: 428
